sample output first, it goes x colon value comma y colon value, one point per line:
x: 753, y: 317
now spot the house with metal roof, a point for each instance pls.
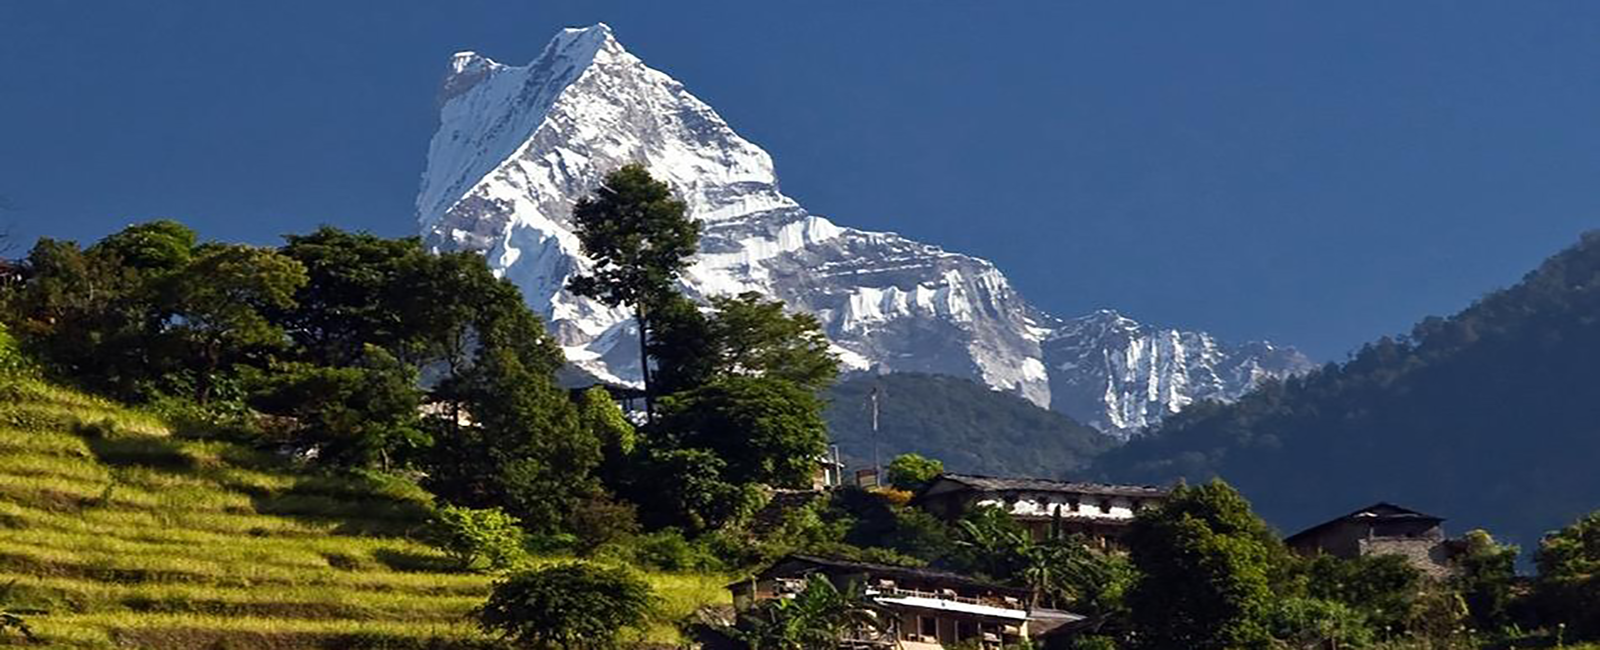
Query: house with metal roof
x: 929, y: 609
x: 1098, y: 511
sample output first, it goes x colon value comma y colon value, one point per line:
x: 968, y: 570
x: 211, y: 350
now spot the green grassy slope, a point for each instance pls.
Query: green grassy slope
x: 114, y: 532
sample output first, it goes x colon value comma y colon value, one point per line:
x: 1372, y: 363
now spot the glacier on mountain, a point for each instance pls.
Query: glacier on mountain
x: 518, y: 145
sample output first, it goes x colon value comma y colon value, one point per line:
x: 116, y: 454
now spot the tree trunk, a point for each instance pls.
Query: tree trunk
x: 644, y: 365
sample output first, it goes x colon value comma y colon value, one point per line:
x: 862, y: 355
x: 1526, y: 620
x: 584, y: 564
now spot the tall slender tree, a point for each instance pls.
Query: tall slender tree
x: 640, y: 239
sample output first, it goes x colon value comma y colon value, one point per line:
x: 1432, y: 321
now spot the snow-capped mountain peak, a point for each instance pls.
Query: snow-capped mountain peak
x: 517, y: 146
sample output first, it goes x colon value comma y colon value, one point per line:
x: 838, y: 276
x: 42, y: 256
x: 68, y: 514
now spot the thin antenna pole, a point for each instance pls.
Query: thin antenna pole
x: 877, y: 460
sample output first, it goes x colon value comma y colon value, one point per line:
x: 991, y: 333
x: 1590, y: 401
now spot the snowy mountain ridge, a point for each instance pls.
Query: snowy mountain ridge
x: 518, y: 145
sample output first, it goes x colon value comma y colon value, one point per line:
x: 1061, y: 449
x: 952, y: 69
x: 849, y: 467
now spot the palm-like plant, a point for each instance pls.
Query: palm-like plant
x: 815, y: 619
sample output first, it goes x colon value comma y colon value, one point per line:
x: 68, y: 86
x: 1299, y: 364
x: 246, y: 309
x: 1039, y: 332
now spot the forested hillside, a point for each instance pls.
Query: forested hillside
x: 1490, y: 418
x: 968, y: 426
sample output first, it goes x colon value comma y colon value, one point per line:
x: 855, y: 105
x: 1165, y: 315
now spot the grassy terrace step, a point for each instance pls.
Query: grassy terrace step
x: 116, y: 532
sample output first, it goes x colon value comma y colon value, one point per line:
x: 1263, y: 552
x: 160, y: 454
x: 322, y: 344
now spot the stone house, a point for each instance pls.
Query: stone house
x: 1382, y: 529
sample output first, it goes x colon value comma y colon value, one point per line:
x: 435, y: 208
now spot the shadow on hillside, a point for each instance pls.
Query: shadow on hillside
x: 136, y: 451
x: 397, y: 560
x: 354, y: 505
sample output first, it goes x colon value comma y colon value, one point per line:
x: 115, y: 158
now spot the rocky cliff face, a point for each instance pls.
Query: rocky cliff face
x: 518, y: 145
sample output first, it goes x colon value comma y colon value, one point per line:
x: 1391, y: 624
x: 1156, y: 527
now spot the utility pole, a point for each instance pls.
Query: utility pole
x: 877, y: 461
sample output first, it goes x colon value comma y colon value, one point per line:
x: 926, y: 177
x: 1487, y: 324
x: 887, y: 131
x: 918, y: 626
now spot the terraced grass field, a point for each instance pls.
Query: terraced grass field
x: 115, y: 531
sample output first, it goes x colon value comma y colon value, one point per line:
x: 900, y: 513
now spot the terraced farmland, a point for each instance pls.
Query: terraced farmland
x: 117, y: 532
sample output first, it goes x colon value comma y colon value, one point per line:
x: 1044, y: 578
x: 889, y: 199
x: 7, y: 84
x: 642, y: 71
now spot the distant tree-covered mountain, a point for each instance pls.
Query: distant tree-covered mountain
x: 1490, y: 418
x: 970, y: 427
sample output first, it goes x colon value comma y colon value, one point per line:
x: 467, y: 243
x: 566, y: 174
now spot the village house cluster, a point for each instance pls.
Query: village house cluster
x: 933, y: 609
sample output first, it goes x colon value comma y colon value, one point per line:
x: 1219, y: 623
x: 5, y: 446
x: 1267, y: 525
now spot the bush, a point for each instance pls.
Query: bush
x: 567, y: 606
x: 11, y: 360
x: 1317, y: 623
x: 910, y: 472
x: 600, y: 520
x: 668, y: 550
x: 478, y: 538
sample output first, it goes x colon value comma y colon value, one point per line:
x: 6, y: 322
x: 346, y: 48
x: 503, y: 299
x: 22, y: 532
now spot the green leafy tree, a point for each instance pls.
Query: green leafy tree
x: 687, y: 488
x: 569, y: 606
x: 1206, y: 564
x: 767, y: 430
x: 486, y: 538
x: 913, y: 471
x: 161, y: 246
x: 220, y: 302
x: 91, y: 317
x: 358, y: 291
x: 756, y: 337
x: 640, y: 239
x: 1486, y: 577
x: 359, y: 416
x: 817, y: 618
x: 1385, y: 589
x: 682, y: 344
x: 1568, y: 586
x: 505, y: 434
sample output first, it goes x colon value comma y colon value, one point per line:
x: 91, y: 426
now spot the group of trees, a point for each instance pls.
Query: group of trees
x: 1204, y: 571
x: 363, y: 353
x: 1466, y: 416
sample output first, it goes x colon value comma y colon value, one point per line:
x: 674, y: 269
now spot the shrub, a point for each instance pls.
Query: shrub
x: 910, y: 472
x: 1317, y: 623
x: 11, y: 360
x: 600, y: 520
x: 478, y: 538
x: 567, y: 606
x: 668, y: 550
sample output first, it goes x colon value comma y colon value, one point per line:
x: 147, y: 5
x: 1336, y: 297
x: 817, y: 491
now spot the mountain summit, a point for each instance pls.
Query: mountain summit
x: 517, y: 146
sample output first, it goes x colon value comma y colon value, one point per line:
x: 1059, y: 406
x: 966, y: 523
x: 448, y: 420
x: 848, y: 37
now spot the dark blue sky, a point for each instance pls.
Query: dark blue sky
x: 1319, y: 174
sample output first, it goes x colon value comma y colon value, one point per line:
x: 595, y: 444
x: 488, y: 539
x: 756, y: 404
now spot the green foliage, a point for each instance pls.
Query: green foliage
x: 991, y: 544
x: 1382, y: 588
x: 599, y: 520
x: 767, y: 430
x: 485, y: 538
x: 967, y: 426
x: 669, y: 550
x: 1317, y: 623
x: 161, y: 246
x: 686, y: 487
x: 817, y: 617
x: 1569, y: 577
x: 913, y: 471
x: 12, y: 362
x: 359, y: 416
x: 754, y: 337
x: 360, y: 291
x: 571, y: 606
x: 1443, y: 397
x: 638, y: 236
x: 507, y: 435
x: 1206, y: 564
x: 1486, y: 577
x: 601, y: 416
x: 219, y: 305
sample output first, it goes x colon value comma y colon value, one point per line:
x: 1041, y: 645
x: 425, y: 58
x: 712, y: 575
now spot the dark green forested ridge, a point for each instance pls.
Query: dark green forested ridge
x: 968, y: 426
x: 1490, y: 417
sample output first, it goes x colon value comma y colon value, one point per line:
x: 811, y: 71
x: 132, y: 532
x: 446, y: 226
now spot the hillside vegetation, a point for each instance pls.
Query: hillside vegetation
x: 1490, y: 417
x: 968, y: 426
x: 118, y: 530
